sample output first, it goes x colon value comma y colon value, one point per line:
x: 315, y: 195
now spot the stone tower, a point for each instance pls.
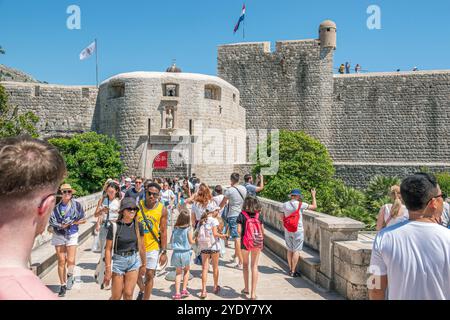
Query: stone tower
x: 289, y: 88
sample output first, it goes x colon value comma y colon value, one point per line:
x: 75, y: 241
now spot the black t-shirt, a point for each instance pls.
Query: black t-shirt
x: 132, y: 192
x: 242, y: 220
x: 125, y: 236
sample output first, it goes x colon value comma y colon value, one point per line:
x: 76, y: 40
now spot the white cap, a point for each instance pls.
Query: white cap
x: 128, y: 180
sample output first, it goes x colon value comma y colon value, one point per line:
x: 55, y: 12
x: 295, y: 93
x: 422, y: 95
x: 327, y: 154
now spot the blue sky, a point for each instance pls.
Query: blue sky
x: 138, y: 35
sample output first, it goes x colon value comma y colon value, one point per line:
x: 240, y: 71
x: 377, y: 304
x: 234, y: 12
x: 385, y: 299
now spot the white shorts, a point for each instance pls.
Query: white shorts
x: 152, y: 259
x: 60, y: 240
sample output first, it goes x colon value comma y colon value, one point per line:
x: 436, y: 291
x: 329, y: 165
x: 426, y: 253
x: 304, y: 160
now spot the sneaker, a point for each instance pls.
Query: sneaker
x: 140, y: 296
x: 62, y: 291
x: 238, y: 266
x: 70, y: 280
x: 297, y: 274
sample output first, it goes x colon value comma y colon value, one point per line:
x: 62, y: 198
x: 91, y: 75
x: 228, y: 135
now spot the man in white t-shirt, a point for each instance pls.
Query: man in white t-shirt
x: 294, y: 240
x: 412, y: 259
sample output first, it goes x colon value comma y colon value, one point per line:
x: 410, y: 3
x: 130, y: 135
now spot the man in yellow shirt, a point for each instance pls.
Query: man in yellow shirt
x: 153, y: 217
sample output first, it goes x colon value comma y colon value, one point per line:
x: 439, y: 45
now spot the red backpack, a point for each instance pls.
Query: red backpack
x: 291, y: 221
x: 253, y: 236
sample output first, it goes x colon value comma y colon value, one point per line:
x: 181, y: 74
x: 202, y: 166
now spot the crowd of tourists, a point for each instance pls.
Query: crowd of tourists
x: 410, y: 256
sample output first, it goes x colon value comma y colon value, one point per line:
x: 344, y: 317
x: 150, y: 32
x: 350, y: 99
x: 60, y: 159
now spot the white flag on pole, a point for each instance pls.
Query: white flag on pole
x: 89, y: 51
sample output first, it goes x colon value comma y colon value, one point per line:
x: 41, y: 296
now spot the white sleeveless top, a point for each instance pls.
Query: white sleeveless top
x: 403, y: 216
x: 114, y: 207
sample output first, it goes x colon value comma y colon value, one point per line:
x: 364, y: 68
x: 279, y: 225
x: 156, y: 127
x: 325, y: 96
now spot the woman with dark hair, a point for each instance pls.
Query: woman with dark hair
x: 125, y: 251
x: 250, y: 225
x: 64, y: 221
x: 107, y: 210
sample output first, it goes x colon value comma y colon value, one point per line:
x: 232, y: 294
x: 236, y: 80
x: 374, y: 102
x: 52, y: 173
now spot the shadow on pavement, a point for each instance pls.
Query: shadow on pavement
x: 87, y: 266
x: 270, y: 270
x: 54, y: 288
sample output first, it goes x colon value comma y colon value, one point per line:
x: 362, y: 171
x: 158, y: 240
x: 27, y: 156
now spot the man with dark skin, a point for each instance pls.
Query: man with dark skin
x: 153, y: 217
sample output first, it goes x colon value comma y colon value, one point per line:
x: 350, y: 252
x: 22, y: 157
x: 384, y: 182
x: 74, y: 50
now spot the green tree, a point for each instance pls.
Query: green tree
x: 303, y: 163
x: 13, y: 122
x: 91, y: 159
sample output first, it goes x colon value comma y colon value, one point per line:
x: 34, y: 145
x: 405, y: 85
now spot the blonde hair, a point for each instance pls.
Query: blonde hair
x: 397, y: 200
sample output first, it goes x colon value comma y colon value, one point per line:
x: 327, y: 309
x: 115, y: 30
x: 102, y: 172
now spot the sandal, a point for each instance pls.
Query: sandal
x: 203, y: 296
x: 245, y: 292
x: 176, y: 297
x: 185, y: 294
x: 217, y: 290
x: 254, y: 298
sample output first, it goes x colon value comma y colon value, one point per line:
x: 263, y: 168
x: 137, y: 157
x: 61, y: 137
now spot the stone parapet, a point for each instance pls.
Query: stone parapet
x: 332, y: 256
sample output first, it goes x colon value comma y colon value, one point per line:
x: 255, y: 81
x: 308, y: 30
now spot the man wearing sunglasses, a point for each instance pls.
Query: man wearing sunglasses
x: 31, y: 171
x: 137, y: 191
x: 412, y: 259
x: 153, y: 216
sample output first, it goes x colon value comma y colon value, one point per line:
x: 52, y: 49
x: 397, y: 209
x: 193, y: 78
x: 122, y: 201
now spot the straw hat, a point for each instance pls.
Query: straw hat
x: 67, y: 186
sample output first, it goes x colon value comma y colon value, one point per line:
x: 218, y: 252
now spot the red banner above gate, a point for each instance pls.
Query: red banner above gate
x: 161, y: 161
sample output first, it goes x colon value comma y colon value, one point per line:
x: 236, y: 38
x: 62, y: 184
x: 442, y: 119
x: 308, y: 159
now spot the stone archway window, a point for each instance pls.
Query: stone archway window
x: 213, y: 92
x: 171, y: 90
x: 116, y: 90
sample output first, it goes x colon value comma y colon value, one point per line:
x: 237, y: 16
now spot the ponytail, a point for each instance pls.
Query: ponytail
x: 397, y: 206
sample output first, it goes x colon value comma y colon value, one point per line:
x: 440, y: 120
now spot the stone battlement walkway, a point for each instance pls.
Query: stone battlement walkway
x: 273, y: 282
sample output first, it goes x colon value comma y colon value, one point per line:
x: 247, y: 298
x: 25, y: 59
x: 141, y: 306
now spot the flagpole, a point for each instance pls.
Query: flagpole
x: 96, y: 61
x: 243, y: 26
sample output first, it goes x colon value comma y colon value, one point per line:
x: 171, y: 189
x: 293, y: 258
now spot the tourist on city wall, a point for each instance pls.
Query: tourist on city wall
x: 125, y: 253
x: 342, y: 69
x: 347, y: 67
x: 153, y: 217
x: 199, y: 201
x: 207, y: 237
x: 31, y: 171
x: 235, y: 196
x: 251, y: 229
x: 392, y: 213
x: 107, y: 210
x: 292, y: 220
x: 252, y: 189
x: 137, y: 190
x: 64, y: 221
x: 358, y: 68
x: 412, y: 259
x: 182, y: 240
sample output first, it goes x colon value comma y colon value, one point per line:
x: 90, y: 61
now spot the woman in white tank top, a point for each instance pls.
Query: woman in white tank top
x: 391, y: 214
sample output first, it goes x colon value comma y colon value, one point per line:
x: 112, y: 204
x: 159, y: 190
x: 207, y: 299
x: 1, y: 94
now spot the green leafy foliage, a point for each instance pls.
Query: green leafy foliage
x: 91, y: 158
x: 304, y: 163
x: 443, y: 179
x: 13, y: 122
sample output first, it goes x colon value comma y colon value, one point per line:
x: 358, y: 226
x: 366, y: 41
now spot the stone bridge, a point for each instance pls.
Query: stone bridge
x: 333, y: 263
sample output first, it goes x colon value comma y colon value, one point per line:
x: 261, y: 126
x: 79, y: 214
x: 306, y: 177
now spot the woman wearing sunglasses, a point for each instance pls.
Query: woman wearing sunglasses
x: 64, y: 221
x: 125, y: 252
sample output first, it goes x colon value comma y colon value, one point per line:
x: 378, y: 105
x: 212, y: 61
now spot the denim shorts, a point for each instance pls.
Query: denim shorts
x: 181, y: 259
x: 232, y: 225
x: 122, y: 265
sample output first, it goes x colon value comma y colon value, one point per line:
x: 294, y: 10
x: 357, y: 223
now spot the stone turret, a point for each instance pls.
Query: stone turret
x: 327, y: 34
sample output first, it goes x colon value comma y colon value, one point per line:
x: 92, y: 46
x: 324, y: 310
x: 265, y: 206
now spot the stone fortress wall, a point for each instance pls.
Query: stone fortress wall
x: 376, y: 123
x: 126, y: 116
x: 63, y: 110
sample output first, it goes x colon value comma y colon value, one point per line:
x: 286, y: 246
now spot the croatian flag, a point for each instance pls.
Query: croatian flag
x: 241, y: 18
